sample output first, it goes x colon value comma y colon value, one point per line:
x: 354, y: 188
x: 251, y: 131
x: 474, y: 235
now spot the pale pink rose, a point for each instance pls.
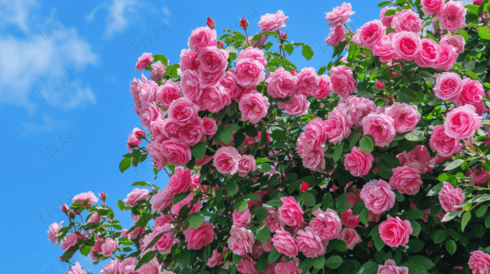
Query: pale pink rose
x: 229, y: 84
x: 359, y: 163
x: 378, y: 196
x: 447, y: 57
x: 480, y: 175
x: 405, y: 116
x: 76, y: 269
x: 111, y: 268
x: 167, y: 93
x: 176, y: 153
x: 182, y: 111
x: 314, y: 159
x: 452, y: 16
x: 431, y: 7
x: 144, y: 60
x: 200, y: 38
x: 395, y: 232
x: 419, y: 158
x: 187, y: 60
x: 209, y: 126
x: 180, y: 181
x: 136, y: 195
x: 386, y: 20
x: 198, y: 238
x: 343, y: 82
x: 339, y: 15
x: 226, y: 160
x: 109, y: 246
x: 152, y: 267
x: 157, y: 71
x: 472, y: 92
x: 371, y: 33
x: 249, y: 73
x: 163, y: 220
x: 406, y: 180
x: 324, y: 88
x: 241, y: 240
x: 310, y: 244
x: 259, y: 43
x: 479, y: 262
x: 272, y: 22
x: 154, y: 151
x: 355, y: 39
x: 53, y: 231
x: 247, y: 266
x: 336, y: 35
x: 314, y: 134
x: 127, y: 266
x: 298, y: 107
x: 285, y: 243
x: 290, y: 268
x: 442, y: 144
x: 70, y: 240
x: 350, y: 237
x: 448, y: 86
x: 281, y: 84
x: 215, y: 98
x: 407, y: 45
x: 456, y: 40
x: 253, y: 54
x: 326, y: 224
x: 350, y: 220
x: 151, y: 114
x: 390, y: 266
x: 254, y: 107
x: 385, y: 49
x: 462, y: 122
x: 191, y: 88
x: 216, y: 258
x: 246, y: 164
x: 381, y: 127
x: 337, y: 126
x: 82, y: 197
x: 273, y: 221
x: 290, y: 212
x: 407, y: 20
x: 241, y: 219
x: 358, y: 108
x: 210, y: 79
x: 307, y: 81
x: 428, y: 54
x: 451, y: 197
x: 94, y: 218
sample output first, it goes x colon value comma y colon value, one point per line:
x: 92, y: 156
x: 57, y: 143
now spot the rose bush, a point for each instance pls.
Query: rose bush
x: 381, y: 166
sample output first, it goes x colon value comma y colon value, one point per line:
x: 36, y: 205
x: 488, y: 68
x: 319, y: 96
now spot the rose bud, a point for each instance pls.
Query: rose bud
x: 210, y: 23
x: 103, y: 196
x: 71, y: 215
x: 376, y: 170
x: 379, y: 84
x: 220, y: 44
x: 284, y: 35
x: 393, y: 73
x: 65, y: 208
x: 243, y: 23
x: 304, y: 186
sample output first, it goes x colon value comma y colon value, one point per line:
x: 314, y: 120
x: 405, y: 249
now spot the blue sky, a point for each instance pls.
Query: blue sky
x: 66, y: 109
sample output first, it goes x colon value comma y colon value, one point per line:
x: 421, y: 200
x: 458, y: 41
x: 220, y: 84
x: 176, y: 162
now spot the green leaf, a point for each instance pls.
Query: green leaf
x: 415, y: 136
x: 415, y: 245
x: 141, y: 183
x: 278, y: 134
x: 260, y: 213
x: 356, y: 210
x: 333, y: 262
x: 338, y: 149
x: 439, y: 236
x: 484, y: 33
x: 421, y: 261
x: 154, y: 241
x: 328, y: 201
x: 226, y: 137
x: 454, y: 164
x: 369, y: 267
x: 274, y: 203
x: 179, y: 197
x: 319, y: 262
x: 232, y: 188
x: 146, y: 259
x: 390, y: 12
x: 450, y: 215
x: 384, y: 3
x: 199, y: 150
x: 161, y: 58
x: 413, y: 214
x: 364, y: 216
x: 416, y: 228
x: 435, y: 190
x: 196, y: 220
x: 367, y: 143
x: 465, y: 220
x: 289, y: 48
x: 263, y: 233
x: 471, y: 74
x: 341, y: 203
x: 264, y: 167
x: 307, y: 52
x: 389, y: 160
x: 124, y: 164
x: 306, y: 264
x: 378, y: 243
x: 274, y: 255
x: 353, y: 139
x: 451, y: 246
x: 241, y: 206
x: 85, y: 250
x: 121, y: 205
x: 480, y: 212
x: 322, y: 70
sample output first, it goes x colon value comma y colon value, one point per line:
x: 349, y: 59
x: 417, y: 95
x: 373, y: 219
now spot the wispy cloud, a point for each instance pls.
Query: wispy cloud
x: 48, y: 125
x: 118, y: 14
x: 16, y: 13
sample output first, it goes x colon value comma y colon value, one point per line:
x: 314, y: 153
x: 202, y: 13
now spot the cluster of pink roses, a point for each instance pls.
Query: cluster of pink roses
x: 227, y: 160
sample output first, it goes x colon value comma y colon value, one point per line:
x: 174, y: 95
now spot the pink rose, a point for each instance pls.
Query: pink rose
x: 157, y: 158
x: 407, y: 20
x: 406, y: 180
x: 371, y: 33
x: 307, y: 81
x: 479, y: 262
x: 324, y: 88
x: 407, y: 45
x: 381, y: 127
x: 241, y: 240
x: 428, y: 54
x: 182, y: 111
x: 134, y: 139
x: 76, y: 269
x: 200, y: 38
x: 176, y: 153
x: 249, y: 73
x: 405, y: 116
x: 254, y: 107
x: 350, y: 237
x: 216, y: 258
x: 313, y: 158
x: 359, y: 163
x: 259, y: 43
x: 290, y: 268
x: 336, y: 35
x: 350, y: 220
x: 285, y: 243
x: 189, y: 134
x: 272, y: 22
x: 180, y: 181
x: 343, y: 82
x: 281, y: 84
x: 82, y: 197
x: 472, y: 92
x: 385, y: 49
x: 136, y: 195
x: 339, y: 15
x: 198, y: 238
x: 70, y: 240
x: 450, y: 197
x: 167, y: 93
x: 226, y: 160
x: 111, y: 268
x: 462, y: 122
x: 442, y: 144
x: 215, y: 98
x: 378, y: 196
x: 310, y: 244
x: 326, y: 224
x: 191, y: 88
x: 53, y: 231
x: 161, y: 200
x: 211, y: 59
x: 395, y: 232
x: 151, y: 114
x: 246, y: 164
x: 480, y: 175
x: 254, y: 54
x: 452, y: 16
x: 209, y: 126
x: 386, y: 20
x: 247, y: 266
x: 419, y: 158
x: 337, y: 126
x: 109, y: 246
x: 241, y: 219
x: 314, y: 134
x: 144, y: 60
x: 229, y: 84
x: 390, y: 267
x: 432, y: 6
x: 447, y: 57
x: 298, y: 107
x: 448, y: 86
x: 273, y: 221
x: 358, y: 108
x: 290, y: 212
x: 158, y: 71
x: 210, y: 79
x: 187, y: 60
x: 456, y: 40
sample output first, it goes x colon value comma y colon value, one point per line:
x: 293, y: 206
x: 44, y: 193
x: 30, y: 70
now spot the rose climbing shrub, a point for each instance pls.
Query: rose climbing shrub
x: 381, y: 166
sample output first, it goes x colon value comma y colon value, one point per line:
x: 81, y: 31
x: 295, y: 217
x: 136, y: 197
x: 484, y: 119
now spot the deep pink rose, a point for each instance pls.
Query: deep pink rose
x: 339, y: 15
x: 349, y: 219
x: 136, y: 195
x: 405, y: 116
x: 285, y: 243
x: 226, y: 160
x: 249, y: 73
x: 176, y: 153
x: 290, y: 212
x: 359, y: 163
x: 210, y: 126
x: 215, y: 98
x: 324, y: 88
x: 452, y: 16
x: 480, y: 175
x: 407, y: 20
x: 187, y: 60
x: 432, y: 6
x: 343, y: 82
x: 395, y: 232
x: 350, y: 237
x: 448, y: 86
x: 254, y: 107
x: 241, y: 240
x: 336, y: 35
x: 281, y: 84
x: 53, y: 232
x: 180, y: 181
x: 254, y: 54
x: 182, y: 111
x: 442, y: 144
x: 385, y: 49
x: 406, y: 180
x: 134, y: 139
x: 378, y: 196
x: 144, y: 60
x: 314, y: 159
x: 326, y: 224
x: 310, y: 244
x: 167, y: 93
x: 371, y: 33
x: 161, y: 200
x: 472, y: 92
x: 386, y: 20
x: 298, y: 107
x: 407, y: 45
x: 76, y: 269
x: 272, y: 22
x: 462, y: 122
x: 390, y: 267
x: 451, y: 197
x: 290, y: 268
x: 418, y: 158
x: 428, y: 54
x: 447, y: 57
x: 246, y: 164
x: 198, y: 238
x: 200, y: 38
x: 479, y: 262
x: 337, y: 126
x: 189, y: 134
x: 212, y: 60
x: 229, y: 84
x: 381, y: 127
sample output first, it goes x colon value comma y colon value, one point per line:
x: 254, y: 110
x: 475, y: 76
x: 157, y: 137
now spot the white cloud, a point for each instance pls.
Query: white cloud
x: 16, y: 13
x: 118, y: 13
x: 47, y: 126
